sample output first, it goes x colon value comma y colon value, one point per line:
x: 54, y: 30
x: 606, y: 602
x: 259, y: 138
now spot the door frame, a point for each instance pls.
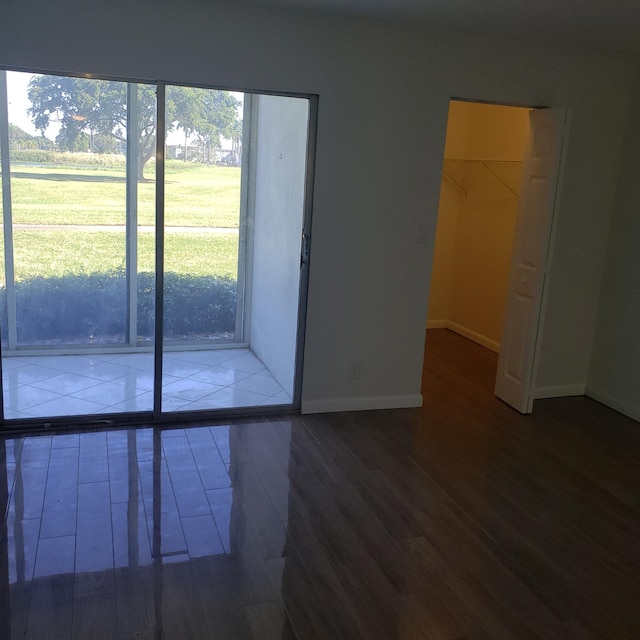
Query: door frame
x: 158, y: 416
x: 549, y: 240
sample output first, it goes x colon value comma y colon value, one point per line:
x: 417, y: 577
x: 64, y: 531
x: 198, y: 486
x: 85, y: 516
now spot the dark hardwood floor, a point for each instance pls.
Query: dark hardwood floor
x: 460, y: 520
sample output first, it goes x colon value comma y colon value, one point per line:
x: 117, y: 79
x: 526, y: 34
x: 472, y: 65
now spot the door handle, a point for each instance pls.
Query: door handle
x: 305, y: 250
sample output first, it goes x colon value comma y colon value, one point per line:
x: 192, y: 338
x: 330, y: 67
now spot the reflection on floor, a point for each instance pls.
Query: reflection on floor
x: 42, y: 386
x: 118, y: 533
x: 462, y: 519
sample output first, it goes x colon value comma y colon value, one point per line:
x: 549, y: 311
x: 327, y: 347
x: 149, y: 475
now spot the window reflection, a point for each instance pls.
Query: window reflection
x: 147, y: 521
x: 98, y: 501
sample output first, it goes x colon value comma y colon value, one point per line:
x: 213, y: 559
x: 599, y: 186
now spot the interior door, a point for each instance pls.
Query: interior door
x: 531, y: 245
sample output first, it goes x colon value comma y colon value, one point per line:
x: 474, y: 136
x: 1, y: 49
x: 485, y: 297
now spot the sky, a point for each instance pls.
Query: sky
x: 19, y: 103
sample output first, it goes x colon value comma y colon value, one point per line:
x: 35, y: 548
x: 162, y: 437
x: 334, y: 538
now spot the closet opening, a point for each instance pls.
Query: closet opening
x: 478, y: 210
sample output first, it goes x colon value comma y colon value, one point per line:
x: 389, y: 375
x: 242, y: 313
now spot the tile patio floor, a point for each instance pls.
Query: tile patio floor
x: 61, y: 385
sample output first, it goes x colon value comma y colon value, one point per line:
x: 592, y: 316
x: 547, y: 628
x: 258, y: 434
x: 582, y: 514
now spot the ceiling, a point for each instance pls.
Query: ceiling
x: 603, y: 24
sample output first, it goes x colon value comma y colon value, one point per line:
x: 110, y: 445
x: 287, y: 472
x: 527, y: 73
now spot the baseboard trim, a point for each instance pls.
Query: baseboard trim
x: 361, y: 404
x: 559, y: 391
x: 613, y: 403
x: 473, y: 335
x: 436, y: 324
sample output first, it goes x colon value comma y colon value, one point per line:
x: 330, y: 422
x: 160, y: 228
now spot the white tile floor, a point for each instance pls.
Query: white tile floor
x: 57, y: 385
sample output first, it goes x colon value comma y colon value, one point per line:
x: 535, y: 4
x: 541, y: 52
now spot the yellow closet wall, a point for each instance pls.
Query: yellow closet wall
x: 476, y: 219
x: 443, y: 256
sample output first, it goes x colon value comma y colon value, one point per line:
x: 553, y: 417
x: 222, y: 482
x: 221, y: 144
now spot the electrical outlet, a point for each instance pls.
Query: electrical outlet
x: 354, y: 374
x: 421, y: 235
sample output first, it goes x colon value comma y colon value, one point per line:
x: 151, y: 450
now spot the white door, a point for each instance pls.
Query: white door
x: 531, y: 246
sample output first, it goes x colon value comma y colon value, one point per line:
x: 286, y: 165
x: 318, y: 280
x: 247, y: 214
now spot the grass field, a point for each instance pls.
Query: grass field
x: 59, y: 253
x: 196, y: 196
x: 200, y: 196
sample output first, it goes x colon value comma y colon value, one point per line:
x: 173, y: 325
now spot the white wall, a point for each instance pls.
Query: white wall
x: 384, y: 92
x: 614, y: 376
x: 280, y: 164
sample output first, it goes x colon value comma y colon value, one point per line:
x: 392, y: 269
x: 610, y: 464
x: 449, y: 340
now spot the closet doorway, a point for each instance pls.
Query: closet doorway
x: 498, y: 191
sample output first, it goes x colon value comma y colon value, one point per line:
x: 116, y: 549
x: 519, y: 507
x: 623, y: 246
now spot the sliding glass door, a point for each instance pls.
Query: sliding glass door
x: 88, y: 234
x: 75, y: 255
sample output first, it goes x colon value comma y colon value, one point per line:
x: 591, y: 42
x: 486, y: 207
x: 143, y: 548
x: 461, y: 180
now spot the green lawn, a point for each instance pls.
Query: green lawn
x: 58, y: 253
x: 195, y: 196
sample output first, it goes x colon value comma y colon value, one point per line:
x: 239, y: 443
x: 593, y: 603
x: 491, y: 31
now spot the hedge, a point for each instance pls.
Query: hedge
x: 81, y: 309
x: 67, y: 158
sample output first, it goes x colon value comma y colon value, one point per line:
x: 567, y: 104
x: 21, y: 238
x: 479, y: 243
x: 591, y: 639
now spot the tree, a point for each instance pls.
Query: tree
x: 72, y: 139
x: 236, y: 141
x: 20, y: 139
x: 207, y: 113
x: 84, y: 105
x: 99, y: 143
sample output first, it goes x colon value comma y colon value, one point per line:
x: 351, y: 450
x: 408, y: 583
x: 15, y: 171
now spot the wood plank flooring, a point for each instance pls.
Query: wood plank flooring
x: 462, y: 520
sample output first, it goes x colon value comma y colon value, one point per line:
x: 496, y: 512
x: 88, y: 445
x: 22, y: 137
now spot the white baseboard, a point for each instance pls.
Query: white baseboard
x: 614, y: 403
x: 331, y: 405
x: 473, y: 335
x: 436, y: 324
x: 560, y: 391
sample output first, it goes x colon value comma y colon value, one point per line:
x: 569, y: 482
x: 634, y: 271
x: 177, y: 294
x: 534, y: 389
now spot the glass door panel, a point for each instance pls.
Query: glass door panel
x: 78, y: 256
x: 203, y: 178
x: 71, y: 225
x: 232, y: 255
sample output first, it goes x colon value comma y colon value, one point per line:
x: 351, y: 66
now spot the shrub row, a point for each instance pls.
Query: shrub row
x: 67, y: 158
x: 82, y: 309
x: 82, y: 159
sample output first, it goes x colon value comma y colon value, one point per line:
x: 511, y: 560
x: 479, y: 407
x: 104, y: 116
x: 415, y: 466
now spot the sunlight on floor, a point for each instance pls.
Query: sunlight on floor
x: 41, y: 386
